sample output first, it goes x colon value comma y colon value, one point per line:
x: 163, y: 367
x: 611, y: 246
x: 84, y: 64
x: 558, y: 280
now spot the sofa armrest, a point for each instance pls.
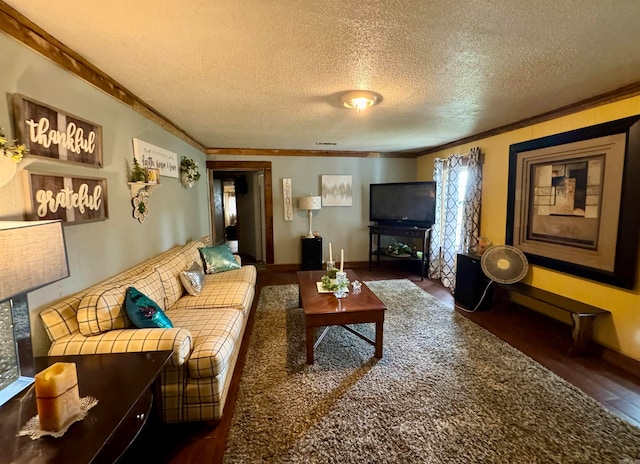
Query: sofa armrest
x: 127, y: 341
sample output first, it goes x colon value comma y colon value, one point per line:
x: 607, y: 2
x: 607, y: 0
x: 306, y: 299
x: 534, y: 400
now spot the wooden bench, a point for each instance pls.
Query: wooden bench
x: 582, y: 314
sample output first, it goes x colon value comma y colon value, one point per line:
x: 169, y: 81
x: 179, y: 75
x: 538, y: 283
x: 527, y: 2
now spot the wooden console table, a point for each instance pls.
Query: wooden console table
x: 125, y: 385
x: 421, y: 233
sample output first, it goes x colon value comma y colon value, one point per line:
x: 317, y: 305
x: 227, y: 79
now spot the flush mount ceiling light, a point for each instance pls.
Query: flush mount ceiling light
x: 360, y: 99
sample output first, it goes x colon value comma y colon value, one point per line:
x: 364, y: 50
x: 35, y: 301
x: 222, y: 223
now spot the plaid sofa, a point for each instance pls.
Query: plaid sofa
x: 205, y: 338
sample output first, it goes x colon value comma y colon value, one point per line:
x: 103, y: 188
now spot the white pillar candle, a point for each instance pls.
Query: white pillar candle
x: 330, y: 253
x: 341, y: 260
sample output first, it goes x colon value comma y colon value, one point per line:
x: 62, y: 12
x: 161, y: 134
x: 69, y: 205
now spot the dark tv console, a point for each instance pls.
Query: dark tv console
x: 423, y: 233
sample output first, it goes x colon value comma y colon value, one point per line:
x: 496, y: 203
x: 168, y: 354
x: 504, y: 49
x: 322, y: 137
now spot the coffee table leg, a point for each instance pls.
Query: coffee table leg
x: 379, y: 326
x: 310, y: 333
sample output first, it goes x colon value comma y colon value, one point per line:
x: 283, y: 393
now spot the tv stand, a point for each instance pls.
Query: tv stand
x: 422, y: 233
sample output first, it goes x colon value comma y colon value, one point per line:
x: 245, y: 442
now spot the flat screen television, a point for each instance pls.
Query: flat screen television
x: 403, y: 203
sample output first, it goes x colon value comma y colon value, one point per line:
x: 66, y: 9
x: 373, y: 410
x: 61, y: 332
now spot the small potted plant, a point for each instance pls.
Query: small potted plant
x: 138, y: 173
x: 190, y: 173
x: 11, y: 153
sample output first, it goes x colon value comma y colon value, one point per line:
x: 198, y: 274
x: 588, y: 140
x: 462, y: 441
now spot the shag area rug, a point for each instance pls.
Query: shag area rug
x: 445, y: 391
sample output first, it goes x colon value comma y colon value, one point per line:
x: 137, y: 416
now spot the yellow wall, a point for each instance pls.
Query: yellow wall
x: 621, y: 331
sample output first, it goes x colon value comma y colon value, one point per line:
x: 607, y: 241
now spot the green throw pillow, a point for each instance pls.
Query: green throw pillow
x: 144, y: 312
x: 218, y: 259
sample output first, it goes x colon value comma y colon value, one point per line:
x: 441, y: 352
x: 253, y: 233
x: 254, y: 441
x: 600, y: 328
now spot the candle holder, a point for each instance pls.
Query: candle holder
x: 342, y: 282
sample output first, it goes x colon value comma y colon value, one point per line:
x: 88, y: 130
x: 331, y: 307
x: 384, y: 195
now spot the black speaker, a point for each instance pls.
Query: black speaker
x: 311, y: 254
x: 471, y: 283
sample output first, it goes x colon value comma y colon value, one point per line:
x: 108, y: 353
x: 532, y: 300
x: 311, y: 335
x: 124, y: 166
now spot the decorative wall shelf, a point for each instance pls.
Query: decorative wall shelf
x: 138, y: 186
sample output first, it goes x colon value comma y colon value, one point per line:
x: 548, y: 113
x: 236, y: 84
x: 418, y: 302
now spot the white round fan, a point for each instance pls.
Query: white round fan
x: 503, y: 264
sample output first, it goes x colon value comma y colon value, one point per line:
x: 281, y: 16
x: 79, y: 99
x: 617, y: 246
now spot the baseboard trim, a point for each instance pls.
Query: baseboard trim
x: 630, y: 365
x: 298, y: 266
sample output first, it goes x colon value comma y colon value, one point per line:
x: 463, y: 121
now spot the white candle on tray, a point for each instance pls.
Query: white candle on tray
x: 330, y: 253
x: 341, y: 260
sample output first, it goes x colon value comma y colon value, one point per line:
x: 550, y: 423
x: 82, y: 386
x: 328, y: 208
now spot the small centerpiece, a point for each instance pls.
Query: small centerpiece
x: 338, y: 285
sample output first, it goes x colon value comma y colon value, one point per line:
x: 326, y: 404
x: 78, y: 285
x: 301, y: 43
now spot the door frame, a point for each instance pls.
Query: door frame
x: 265, y: 167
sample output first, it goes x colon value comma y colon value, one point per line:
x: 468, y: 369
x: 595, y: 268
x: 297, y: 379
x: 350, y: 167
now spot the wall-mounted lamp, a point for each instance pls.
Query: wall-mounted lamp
x: 310, y: 203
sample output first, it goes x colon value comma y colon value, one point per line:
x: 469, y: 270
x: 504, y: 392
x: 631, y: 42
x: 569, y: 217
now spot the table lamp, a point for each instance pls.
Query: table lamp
x: 34, y: 255
x: 310, y: 203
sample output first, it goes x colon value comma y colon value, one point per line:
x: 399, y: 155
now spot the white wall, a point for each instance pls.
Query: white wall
x: 100, y: 249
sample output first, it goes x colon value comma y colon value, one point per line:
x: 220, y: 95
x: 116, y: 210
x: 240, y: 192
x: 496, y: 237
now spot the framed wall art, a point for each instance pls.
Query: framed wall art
x: 55, y: 134
x: 336, y: 190
x: 151, y: 156
x: 74, y: 200
x: 287, y: 199
x: 572, y: 201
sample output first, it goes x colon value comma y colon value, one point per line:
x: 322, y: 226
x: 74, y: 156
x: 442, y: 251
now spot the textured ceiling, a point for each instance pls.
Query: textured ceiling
x: 267, y: 74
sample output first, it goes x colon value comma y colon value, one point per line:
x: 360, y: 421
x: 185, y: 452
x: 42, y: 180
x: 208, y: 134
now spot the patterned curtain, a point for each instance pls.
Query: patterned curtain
x: 443, y: 248
x: 473, y: 195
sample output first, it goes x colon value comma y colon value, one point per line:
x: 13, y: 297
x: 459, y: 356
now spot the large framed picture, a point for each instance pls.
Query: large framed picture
x: 573, y: 202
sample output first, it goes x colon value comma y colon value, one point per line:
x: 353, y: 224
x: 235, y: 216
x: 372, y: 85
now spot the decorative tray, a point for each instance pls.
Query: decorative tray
x: 322, y: 290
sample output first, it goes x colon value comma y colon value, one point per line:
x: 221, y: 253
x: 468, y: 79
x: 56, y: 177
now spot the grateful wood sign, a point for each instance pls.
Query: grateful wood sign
x: 73, y: 200
x: 54, y: 134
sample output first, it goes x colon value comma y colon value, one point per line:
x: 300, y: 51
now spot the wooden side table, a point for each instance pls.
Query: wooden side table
x: 126, y: 386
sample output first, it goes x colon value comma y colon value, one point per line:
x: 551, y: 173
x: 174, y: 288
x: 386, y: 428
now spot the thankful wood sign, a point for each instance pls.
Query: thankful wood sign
x: 55, y: 134
x: 72, y: 199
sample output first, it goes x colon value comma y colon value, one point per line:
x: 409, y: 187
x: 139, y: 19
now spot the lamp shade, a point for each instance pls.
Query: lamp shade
x: 310, y: 203
x: 33, y: 255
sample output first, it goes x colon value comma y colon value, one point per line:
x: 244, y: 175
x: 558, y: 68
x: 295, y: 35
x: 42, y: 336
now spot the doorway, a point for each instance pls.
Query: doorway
x: 241, y: 208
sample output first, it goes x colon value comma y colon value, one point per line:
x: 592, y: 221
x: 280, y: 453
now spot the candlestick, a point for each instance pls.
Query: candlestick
x: 341, y: 260
x: 330, y: 253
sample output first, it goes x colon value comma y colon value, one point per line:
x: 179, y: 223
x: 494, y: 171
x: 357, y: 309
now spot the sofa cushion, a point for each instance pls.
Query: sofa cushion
x: 237, y: 295
x: 246, y: 274
x: 128, y: 341
x: 218, y: 259
x: 193, y: 278
x: 191, y: 253
x: 61, y: 319
x: 215, y: 335
x: 144, y: 312
x: 169, y: 271
x: 102, y: 308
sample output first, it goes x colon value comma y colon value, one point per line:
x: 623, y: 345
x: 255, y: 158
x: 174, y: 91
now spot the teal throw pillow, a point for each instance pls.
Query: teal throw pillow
x: 144, y: 312
x: 218, y: 259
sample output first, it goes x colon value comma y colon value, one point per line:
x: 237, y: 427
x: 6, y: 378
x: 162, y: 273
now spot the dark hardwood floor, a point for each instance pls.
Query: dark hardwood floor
x: 539, y: 337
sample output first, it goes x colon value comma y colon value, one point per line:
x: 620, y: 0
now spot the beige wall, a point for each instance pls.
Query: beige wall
x: 100, y: 249
x: 620, y: 332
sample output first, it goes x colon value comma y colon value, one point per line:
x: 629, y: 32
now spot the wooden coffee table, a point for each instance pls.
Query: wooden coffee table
x: 325, y: 310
